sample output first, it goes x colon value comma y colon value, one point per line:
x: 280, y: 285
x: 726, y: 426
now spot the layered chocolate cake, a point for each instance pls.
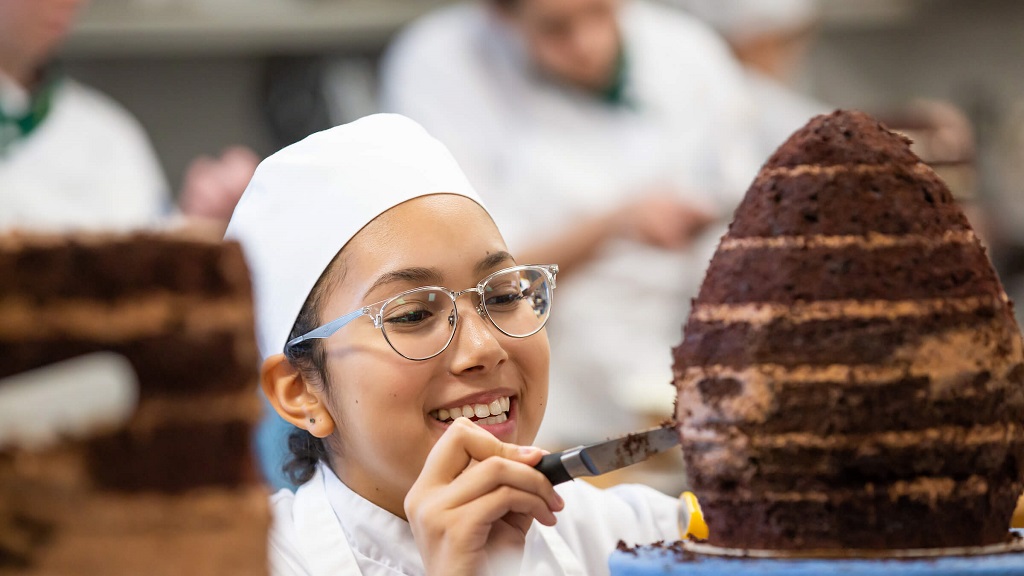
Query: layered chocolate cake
x: 851, y: 374
x: 173, y: 490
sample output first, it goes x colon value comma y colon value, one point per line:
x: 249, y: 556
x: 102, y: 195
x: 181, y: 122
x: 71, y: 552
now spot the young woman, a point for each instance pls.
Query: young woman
x: 408, y: 347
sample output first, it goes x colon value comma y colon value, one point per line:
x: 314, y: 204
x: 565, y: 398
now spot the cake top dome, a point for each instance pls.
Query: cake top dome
x: 847, y: 174
x: 843, y: 137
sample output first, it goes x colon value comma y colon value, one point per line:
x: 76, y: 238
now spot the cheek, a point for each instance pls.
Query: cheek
x: 533, y: 356
x: 376, y: 392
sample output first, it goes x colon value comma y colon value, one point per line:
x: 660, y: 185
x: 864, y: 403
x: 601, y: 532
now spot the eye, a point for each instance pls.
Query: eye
x: 508, y: 298
x: 408, y: 317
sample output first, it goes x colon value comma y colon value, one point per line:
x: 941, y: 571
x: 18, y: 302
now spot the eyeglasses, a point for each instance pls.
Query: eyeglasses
x: 420, y: 323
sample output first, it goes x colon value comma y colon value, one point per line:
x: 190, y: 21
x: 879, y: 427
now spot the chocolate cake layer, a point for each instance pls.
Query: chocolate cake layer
x: 969, y: 513
x: 844, y: 138
x: 840, y: 408
x: 782, y: 342
x: 897, y: 273
x: 174, y: 363
x: 46, y: 269
x: 64, y: 528
x: 726, y: 458
x: 126, y: 319
x: 174, y: 458
x: 900, y: 200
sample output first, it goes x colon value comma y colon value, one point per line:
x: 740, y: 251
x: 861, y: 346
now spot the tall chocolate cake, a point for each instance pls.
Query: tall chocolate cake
x: 173, y: 489
x: 851, y: 374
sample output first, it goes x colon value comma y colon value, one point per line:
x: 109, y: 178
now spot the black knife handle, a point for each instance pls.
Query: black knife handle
x: 552, y: 468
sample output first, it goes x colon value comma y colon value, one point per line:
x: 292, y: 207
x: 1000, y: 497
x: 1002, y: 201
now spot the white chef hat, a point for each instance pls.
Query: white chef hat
x: 305, y: 202
x: 742, y: 19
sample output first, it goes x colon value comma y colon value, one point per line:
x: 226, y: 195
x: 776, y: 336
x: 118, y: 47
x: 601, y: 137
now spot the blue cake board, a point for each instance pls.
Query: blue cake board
x: 657, y: 561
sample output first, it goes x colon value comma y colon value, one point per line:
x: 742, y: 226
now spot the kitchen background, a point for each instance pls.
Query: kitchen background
x: 264, y: 72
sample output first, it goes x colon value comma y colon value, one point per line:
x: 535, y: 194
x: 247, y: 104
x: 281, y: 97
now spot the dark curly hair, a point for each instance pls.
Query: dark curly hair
x: 310, y: 359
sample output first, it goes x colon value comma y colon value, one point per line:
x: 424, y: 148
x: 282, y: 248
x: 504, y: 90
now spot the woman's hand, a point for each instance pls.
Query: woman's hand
x: 475, y: 499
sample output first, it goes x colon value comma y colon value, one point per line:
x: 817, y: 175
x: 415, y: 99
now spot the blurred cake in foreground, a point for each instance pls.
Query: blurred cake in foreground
x: 851, y: 374
x: 173, y: 489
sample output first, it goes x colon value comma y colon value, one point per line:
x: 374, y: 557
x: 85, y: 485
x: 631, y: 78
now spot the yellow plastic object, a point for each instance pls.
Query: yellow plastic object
x: 1018, y: 515
x: 691, y: 518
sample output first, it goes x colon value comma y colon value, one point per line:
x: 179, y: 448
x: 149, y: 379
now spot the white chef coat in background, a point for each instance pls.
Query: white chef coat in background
x: 543, y: 155
x: 88, y: 165
x: 326, y: 529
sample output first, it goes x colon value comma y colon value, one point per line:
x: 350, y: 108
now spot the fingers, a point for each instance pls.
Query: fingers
x: 493, y: 474
x: 475, y: 495
x: 464, y: 442
x: 498, y: 504
x: 212, y: 185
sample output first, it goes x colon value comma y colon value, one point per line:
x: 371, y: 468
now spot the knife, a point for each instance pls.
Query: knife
x: 606, y: 456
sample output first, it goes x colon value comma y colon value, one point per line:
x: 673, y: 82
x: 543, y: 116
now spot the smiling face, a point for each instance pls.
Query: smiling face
x: 386, y: 408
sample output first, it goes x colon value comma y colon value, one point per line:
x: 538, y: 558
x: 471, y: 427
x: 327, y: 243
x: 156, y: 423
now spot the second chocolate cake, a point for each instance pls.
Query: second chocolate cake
x: 851, y: 374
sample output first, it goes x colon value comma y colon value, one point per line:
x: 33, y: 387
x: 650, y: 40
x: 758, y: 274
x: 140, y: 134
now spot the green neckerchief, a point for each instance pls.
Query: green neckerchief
x: 615, y: 93
x: 14, y: 128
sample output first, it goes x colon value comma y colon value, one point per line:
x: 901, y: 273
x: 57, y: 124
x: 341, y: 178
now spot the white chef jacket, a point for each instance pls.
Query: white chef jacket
x: 88, y: 165
x: 542, y: 154
x: 326, y: 529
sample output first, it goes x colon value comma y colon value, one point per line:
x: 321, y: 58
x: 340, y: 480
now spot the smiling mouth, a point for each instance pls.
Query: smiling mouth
x: 494, y: 413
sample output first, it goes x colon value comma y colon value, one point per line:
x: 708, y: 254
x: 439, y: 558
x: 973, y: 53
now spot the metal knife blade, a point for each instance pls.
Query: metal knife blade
x: 604, y: 457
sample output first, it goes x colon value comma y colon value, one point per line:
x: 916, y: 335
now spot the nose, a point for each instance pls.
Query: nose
x: 476, y: 346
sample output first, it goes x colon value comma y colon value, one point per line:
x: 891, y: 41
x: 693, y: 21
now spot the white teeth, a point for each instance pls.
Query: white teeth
x: 493, y: 413
x: 495, y: 419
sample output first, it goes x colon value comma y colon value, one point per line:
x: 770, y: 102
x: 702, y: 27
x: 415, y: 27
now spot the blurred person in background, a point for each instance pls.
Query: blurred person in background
x: 608, y: 136
x: 72, y: 158
x: 771, y: 39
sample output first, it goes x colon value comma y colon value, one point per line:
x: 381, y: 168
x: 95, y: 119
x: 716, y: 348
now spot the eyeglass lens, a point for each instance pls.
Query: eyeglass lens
x: 421, y: 323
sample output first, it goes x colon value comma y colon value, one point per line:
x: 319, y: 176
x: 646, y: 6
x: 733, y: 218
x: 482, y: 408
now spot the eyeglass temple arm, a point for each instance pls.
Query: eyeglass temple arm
x: 328, y: 329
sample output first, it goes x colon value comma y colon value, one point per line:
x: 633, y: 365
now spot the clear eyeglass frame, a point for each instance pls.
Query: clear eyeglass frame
x: 376, y: 310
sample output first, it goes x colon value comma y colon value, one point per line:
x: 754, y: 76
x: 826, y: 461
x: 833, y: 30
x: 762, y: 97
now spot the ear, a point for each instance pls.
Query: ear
x: 295, y: 399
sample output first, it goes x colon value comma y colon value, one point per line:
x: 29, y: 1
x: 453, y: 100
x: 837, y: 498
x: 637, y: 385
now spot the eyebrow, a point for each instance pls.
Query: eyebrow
x: 414, y: 274
x: 492, y: 261
x: 426, y: 276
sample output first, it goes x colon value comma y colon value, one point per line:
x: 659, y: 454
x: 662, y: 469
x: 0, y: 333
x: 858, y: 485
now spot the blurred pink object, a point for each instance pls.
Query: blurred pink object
x: 212, y: 186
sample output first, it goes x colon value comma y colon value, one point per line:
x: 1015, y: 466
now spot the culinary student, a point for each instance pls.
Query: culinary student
x: 389, y: 309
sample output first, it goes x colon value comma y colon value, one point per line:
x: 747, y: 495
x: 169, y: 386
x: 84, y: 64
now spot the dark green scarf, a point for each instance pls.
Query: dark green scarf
x: 14, y: 128
x: 615, y: 93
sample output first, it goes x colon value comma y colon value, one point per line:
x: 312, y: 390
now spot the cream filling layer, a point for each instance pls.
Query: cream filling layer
x: 948, y: 359
x: 495, y: 412
x: 926, y: 488
x: 126, y: 319
x: 761, y: 313
x: 920, y: 169
x: 975, y: 436
x: 871, y: 241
